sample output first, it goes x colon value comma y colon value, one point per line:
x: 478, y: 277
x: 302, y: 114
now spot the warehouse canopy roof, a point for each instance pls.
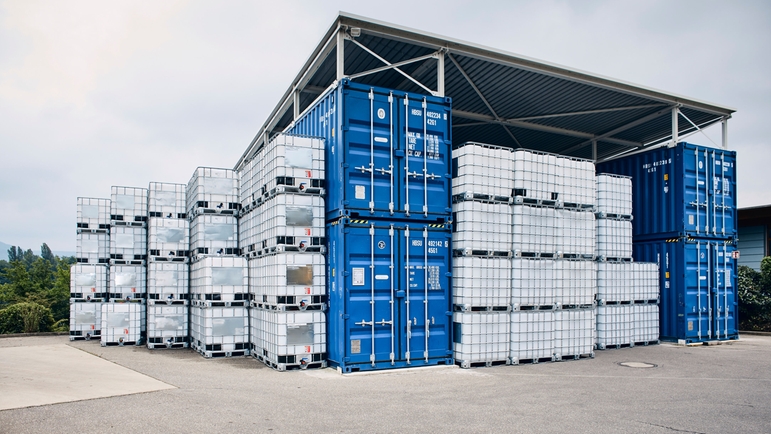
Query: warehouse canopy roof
x: 498, y: 98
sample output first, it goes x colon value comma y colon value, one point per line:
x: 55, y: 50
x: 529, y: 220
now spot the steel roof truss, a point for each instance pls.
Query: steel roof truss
x: 394, y: 66
x: 587, y: 112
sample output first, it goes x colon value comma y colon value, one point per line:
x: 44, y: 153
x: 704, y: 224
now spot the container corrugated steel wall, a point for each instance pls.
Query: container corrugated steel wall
x: 389, y: 291
x: 687, y: 190
x: 388, y: 152
x: 698, y: 281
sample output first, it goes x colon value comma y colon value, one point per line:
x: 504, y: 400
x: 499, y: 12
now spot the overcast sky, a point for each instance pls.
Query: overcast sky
x: 94, y: 94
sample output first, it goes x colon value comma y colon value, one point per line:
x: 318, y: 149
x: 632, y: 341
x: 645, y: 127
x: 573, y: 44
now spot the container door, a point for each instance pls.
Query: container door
x: 723, y: 291
x: 709, y: 185
x: 371, y: 293
x: 425, y: 302
x: 723, y: 186
x: 369, y: 151
x: 698, y: 279
x: 426, y: 166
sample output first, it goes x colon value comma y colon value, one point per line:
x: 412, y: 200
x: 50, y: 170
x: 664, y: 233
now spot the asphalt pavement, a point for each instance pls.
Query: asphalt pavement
x: 665, y: 389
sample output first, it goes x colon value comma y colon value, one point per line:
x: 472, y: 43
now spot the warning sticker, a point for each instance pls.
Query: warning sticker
x: 358, y: 277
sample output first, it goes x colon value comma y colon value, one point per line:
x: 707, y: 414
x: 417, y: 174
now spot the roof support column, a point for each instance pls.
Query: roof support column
x: 675, y: 127
x: 296, y: 103
x: 724, y: 123
x: 340, y: 47
x: 594, y: 150
x: 440, y: 74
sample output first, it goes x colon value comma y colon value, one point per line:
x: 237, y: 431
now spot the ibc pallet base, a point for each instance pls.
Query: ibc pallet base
x: 219, y: 354
x: 167, y: 346
x: 415, y: 363
x: 568, y: 357
x: 95, y: 335
x: 531, y: 361
x: 465, y: 364
x: 291, y: 364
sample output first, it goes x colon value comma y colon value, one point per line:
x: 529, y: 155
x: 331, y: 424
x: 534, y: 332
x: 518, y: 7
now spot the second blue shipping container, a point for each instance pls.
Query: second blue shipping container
x: 698, y: 281
x: 686, y: 190
x: 388, y: 152
x: 389, y: 295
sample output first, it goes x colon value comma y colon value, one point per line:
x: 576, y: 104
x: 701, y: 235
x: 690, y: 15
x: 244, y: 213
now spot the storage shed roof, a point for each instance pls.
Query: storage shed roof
x: 498, y: 97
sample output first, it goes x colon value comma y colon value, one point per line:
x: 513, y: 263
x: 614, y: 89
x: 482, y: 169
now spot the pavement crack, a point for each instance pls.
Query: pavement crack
x: 674, y: 429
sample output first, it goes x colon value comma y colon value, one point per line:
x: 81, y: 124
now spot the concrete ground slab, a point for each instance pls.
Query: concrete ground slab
x: 51, y: 374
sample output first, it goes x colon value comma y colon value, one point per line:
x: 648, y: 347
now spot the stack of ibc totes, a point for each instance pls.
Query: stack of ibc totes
x: 685, y: 220
x: 553, y: 275
x: 482, y: 240
x: 219, y: 319
x: 283, y: 236
x: 89, y: 276
x: 123, y: 317
x: 627, y: 292
x: 388, y: 187
x: 168, y: 241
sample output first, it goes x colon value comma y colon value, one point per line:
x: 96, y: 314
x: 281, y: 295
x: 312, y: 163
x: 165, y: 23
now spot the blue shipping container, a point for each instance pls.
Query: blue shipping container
x: 698, y: 282
x: 388, y: 152
x: 687, y: 190
x: 389, y: 295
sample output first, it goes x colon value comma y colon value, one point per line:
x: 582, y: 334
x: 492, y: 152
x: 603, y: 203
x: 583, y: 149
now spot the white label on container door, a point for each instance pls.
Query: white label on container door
x: 690, y: 219
x: 381, y: 277
x: 358, y: 277
x: 89, y: 211
x: 360, y: 192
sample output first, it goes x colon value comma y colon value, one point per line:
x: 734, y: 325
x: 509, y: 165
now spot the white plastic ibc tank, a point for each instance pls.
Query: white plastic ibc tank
x: 574, y: 333
x: 534, y: 230
x: 482, y: 226
x: 578, y: 233
x: 646, y: 323
x: 532, y: 282
x: 292, y: 221
x: 128, y: 282
x: 578, y: 186
x: 615, y: 324
x: 294, y: 338
x: 123, y: 324
x: 167, y: 326
x: 88, y: 282
x: 535, y: 175
x: 481, y: 282
x: 246, y: 184
x: 646, y: 281
x: 248, y: 233
x: 614, y: 194
x: 482, y: 169
x: 213, y: 190
x: 292, y: 163
x: 93, y: 248
x: 615, y: 282
x: 614, y: 238
x: 128, y: 205
x: 255, y: 331
x: 576, y: 282
x: 93, y: 213
x: 168, y: 238
x: 220, y: 331
x: 166, y: 200
x: 481, y: 337
x: 85, y: 320
x: 532, y: 336
x: 128, y: 243
x: 289, y: 278
x: 167, y: 282
x: 214, y: 235
x: 219, y: 279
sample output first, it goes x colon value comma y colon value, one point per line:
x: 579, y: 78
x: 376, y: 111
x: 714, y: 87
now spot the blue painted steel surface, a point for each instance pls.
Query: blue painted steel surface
x: 687, y: 190
x: 388, y: 152
x: 698, y: 281
x: 387, y: 308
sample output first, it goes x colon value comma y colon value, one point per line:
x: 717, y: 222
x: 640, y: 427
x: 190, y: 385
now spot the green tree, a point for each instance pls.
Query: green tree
x: 25, y: 318
x: 755, y: 297
x: 14, y: 254
x: 47, y: 254
x: 20, y: 283
x: 3, y: 266
x: 59, y: 295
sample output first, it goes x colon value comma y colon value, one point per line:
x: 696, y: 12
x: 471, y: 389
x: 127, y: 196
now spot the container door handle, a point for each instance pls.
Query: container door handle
x: 391, y: 267
x: 425, y: 291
